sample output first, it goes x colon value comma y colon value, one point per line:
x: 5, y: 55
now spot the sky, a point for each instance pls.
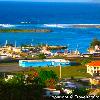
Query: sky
x: 53, y: 0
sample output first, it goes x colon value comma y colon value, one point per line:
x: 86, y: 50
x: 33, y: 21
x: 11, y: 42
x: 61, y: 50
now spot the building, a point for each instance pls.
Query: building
x: 11, y: 51
x: 93, y: 68
x: 95, y: 80
x: 3, y: 57
x: 44, y: 62
x: 45, y: 50
x: 91, y: 50
x: 95, y: 50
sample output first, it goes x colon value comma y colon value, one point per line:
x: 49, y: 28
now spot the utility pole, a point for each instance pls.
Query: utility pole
x: 15, y: 44
x: 60, y: 71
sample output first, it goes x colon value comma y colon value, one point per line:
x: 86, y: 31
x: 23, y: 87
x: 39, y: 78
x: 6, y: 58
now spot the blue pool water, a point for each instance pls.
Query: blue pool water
x: 42, y: 64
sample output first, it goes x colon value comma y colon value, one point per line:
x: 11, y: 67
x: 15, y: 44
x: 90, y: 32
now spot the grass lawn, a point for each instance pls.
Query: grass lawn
x: 69, y: 71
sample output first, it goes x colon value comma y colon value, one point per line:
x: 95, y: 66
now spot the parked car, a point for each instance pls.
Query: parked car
x: 70, y: 85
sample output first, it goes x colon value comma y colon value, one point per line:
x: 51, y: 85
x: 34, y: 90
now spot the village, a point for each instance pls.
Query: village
x: 30, y: 51
x: 29, y: 58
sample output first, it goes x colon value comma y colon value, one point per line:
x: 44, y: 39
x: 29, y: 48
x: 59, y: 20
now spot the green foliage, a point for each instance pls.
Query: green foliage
x: 10, y: 45
x: 95, y: 42
x: 58, y: 87
x: 41, y: 44
x: 67, y: 72
x: 25, y: 45
x: 49, y: 78
x: 41, y: 56
x: 80, y: 91
x: 45, y: 75
x: 38, y: 82
x: 16, y: 89
x: 87, y: 60
x: 17, y: 80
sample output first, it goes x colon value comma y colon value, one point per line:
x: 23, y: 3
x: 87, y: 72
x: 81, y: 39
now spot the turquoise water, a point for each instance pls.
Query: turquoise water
x: 70, y: 37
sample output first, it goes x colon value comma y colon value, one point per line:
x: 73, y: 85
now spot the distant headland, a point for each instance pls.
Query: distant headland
x: 86, y: 26
x: 24, y: 30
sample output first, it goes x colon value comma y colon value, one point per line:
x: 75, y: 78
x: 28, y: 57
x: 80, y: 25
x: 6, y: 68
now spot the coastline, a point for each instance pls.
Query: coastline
x: 24, y: 30
x: 86, y: 26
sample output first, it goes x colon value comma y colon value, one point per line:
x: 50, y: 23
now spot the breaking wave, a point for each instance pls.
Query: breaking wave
x: 70, y: 25
x: 49, y: 25
x: 6, y: 25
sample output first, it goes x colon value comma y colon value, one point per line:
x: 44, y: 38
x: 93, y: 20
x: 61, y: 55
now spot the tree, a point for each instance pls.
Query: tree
x: 80, y: 91
x: 10, y: 45
x: 87, y: 60
x: 95, y: 42
x: 50, y: 83
x: 41, y: 56
x: 48, y: 77
x: 44, y: 75
x: 16, y: 89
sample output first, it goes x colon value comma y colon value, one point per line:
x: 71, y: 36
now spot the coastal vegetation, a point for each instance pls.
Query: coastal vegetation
x: 10, y: 45
x: 80, y: 91
x: 24, y: 30
x: 30, y: 88
x: 87, y: 60
x: 95, y: 42
x: 16, y: 89
x: 41, y: 56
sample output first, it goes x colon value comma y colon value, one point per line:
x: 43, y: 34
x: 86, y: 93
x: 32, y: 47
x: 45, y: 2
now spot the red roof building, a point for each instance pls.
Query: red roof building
x: 93, y: 68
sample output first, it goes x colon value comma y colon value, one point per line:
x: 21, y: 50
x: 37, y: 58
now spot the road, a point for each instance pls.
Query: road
x: 9, y: 67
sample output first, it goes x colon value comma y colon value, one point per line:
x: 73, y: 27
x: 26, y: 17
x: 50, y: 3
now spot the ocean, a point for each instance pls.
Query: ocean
x: 55, y: 16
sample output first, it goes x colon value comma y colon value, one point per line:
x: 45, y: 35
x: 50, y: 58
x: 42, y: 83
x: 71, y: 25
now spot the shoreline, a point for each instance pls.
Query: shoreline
x: 86, y: 26
x: 4, y: 30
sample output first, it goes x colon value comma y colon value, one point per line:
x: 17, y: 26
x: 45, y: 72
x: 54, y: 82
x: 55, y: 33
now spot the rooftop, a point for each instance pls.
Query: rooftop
x: 94, y: 63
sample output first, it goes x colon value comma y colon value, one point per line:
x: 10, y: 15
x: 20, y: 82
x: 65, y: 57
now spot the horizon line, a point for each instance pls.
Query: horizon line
x: 51, y: 1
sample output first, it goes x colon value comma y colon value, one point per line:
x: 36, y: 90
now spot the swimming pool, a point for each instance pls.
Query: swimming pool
x: 44, y: 63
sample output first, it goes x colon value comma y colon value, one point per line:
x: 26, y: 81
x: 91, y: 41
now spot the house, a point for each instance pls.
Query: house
x: 95, y: 80
x: 2, y: 57
x: 45, y: 50
x: 96, y: 49
x: 93, y: 68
